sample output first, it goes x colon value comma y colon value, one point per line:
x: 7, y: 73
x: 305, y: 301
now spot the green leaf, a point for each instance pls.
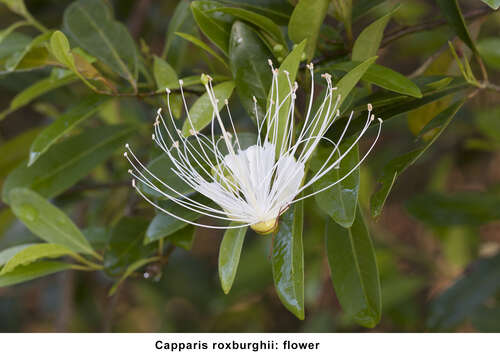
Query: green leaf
x: 494, y: 4
x: 7, y: 254
x: 456, y: 20
x: 16, y: 6
x: 464, y: 208
x: 381, y: 76
x: 489, y: 49
x: 466, y: 294
x: 164, y: 225
x: 33, y: 55
x: 288, y: 260
x: 32, y: 271
x: 339, y: 201
x: 91, y: 24
x: 368, y: 42
x: 248, y: 57
x: 67, y: 162
x: 354, y: 271
x: 201, y: 111
x: 260, y: 21
x: 136, y: 265
x: 290, y: 65
x: 215, y: 25
x: 33, y: 253
x: 305, y: 23
x: 183, y: 238
x: 181, y: 21
x: 47, y: 221
x: 229, y: 255
x: 57, y: 79
x: 203, y: 46
x: 277, y: 10
x: 164, y: 73
x: 13, y: 43
x: 82, y: 110
x: 125, y: 245
x: 7, y: 31
x: 400, y: 163
x: 16, y: 150
x: 349, y: 80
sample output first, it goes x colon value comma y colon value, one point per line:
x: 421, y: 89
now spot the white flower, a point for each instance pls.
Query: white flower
x: 254, y: 185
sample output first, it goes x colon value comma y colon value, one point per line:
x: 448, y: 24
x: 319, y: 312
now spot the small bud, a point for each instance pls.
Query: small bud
x: 280, y: 59
x: 278, y: 48
x: 205, y: 79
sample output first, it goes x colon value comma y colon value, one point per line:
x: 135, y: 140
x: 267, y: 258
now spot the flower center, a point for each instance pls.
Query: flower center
x: 265, y: 227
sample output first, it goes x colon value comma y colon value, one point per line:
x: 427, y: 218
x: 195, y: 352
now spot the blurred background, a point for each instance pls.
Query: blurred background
x: 437, y: 251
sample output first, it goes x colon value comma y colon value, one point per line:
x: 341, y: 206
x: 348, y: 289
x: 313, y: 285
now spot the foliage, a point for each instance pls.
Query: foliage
x: 78, y: 88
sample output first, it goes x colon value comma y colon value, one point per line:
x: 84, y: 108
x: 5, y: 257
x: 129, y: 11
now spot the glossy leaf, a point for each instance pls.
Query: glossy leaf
x: 215, y: 25
x: 47, y: 221
x: 90, y: 23
x: 248, y: 57
x: 32, y: 271
x: 489, y: 48
x: 400, y: 163
x: 82, y: 110
x: 464, y: 208
x: 354, y: 271
x: 260, y: 21
x: 368, y: 42
x: 194, y: 40
x: 201, y: 111
x: 494, y: 4
x: 125, y: 245
x: 164, y: 74
x: 466, y: 294
x: 57, y: 79
x: 288, y: 260
x: 349, y: 80
x: 33, y: 253
x: 229, y: 255
x: 67, y: 162
x: 451, y: 11
x: 339, y: 201
x: 305, y: 23
x: 290, y: 65
x: 381, y: 76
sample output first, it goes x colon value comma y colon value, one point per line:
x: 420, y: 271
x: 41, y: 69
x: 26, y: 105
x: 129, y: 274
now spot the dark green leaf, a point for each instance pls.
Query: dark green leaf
x: 90, y: 23
x: 466, y: 295
x: 288, y: 260
x: 248, y: 58
x: 47, y: 221
x: 67, y: 162
x: 381, y: 76
x: 126, y: 245
x: 349, y: 80
x: 456, y: 20
x: 32, y: 271
x: 399, y: 164
x: 368, y: 42
x: 305, y: 23
x: 16, y: 150
x: 277, y: 10
x: 201, y: 111
x: 63, y: 124
x: 183, y: 238
x: 33, y: 253
x: 258, y: 20
x: 340, y: 200
x: 354, y: 271
x: 13, y: 43
x: 215, y: 25
x: 229, y: 255
x: 466, y: 208
x: 489, y: 48
x: 290, y: 65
